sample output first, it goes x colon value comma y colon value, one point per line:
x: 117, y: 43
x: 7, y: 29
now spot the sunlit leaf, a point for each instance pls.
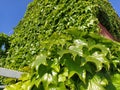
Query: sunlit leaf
x: 96, y: 84
x: 116, y: 81
x: 98, y: 60
x: 39, y: 60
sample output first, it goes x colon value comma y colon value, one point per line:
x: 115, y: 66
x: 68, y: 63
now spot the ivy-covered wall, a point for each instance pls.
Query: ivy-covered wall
x: 108, y: 17
x: 44, y: 18
x: 59, y: 45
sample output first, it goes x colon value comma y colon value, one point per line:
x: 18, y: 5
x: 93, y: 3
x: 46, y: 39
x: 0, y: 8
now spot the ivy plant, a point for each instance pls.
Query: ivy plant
x: 58, y: 46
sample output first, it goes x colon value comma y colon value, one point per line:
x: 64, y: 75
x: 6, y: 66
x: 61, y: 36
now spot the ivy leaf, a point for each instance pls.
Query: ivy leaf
x: 96, y: 83
x: 55, y: 65
x: 79, y: 44
x: 13, y: 87
x: 97, y: 63
x: 98, y: 60
x: 41, y: 59
x: 104, y: 50
x: 42, y: 70
x: 73, y: 67
x: 63, y: 75
x: 61, y: 78
x: 116, y: 81
x: 27, y: 85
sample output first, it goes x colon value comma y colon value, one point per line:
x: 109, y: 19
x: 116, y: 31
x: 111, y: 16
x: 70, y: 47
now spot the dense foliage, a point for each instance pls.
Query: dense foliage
x: 4, y: 46
x: 59, y: 42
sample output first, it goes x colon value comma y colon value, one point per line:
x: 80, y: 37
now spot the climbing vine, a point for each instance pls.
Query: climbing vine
x: 58, y: 42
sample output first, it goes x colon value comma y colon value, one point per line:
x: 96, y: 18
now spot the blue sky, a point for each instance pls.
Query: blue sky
x: 116, y: 5
x: 12, y: 11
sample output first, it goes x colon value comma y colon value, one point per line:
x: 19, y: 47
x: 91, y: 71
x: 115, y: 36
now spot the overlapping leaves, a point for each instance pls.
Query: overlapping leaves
x: 69, y: 66
x: 61, y: 39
